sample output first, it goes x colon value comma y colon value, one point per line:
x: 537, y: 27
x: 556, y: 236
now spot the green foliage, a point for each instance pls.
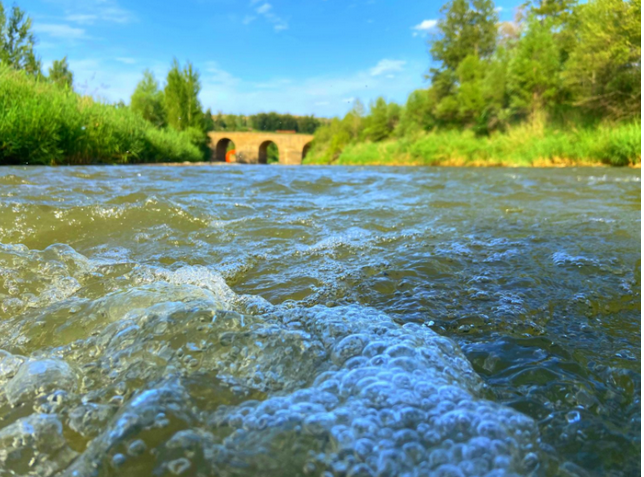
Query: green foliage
x: 41, y: 123
x: 548, y: 86
x: 272, y: 154
x: 381, y: 121
x: 604, y: 69
x: 416, y: 116
x: 266, y: 122
x: 617, y: 145
x: 469, y: 27
x: 534, y: 69
x: 147, y: 100
x: 60, y: 75
x: 17, y: 41
x: 181, y: 97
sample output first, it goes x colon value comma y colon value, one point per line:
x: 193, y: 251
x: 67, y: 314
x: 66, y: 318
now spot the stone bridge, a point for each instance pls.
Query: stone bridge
x: 250, y: 147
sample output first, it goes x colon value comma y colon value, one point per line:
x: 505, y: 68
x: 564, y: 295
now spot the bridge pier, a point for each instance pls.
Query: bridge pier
x: 246, y: 154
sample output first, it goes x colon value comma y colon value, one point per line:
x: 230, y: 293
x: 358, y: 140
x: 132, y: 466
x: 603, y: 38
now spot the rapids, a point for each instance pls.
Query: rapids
x: 283, y: 321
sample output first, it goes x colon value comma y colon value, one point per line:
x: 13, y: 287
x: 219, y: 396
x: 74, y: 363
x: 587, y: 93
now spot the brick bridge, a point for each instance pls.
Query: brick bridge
x: 250, y: 147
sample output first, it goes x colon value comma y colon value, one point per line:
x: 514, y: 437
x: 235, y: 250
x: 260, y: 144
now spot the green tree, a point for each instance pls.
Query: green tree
x: 181, y: 95
x: 17, y: 42
x: 534, y: 70
x: 417, y: 115
x: 208, y: 121
x: 605, y: 67
x: 382, y: 120
x: 557, y: 11
x: 468, y: 27
x: 497, y: 113
x: 60, y: 74
x: 147, y: 100
x: 469, y: 96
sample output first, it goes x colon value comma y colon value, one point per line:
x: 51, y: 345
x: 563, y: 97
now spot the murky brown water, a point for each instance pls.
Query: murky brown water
x: 277, y: 321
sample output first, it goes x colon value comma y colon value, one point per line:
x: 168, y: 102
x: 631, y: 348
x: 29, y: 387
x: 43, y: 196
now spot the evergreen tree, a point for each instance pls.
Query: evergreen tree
x: 147, y: 100
x: 17, y: 42
x: 60, y: 74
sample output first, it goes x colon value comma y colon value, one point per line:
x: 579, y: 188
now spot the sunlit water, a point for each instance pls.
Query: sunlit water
x: 276, y: 321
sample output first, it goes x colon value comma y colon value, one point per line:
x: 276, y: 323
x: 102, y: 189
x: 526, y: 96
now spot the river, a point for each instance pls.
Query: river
x: 278, y: 321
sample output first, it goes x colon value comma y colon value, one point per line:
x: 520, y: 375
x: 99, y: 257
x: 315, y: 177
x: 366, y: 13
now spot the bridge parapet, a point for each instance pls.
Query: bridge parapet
x: 251, y: 147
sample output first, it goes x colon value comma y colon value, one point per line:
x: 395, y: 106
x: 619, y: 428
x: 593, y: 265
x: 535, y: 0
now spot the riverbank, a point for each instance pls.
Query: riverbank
x: 612, y: 145
x: 42, y: 123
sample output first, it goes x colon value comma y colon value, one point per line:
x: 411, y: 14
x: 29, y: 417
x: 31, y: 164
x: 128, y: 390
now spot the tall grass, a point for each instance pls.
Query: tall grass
x: 524, y: 145
x: 41, y: 123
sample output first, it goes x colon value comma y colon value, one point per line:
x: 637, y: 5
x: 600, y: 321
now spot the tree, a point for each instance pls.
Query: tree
x: 417, y: 115
x: 60, y: 74
x: 534, y: 69
x: 181, y: 97
x: 469, y: 95
x: 147, y: 100
x: 605, y: 66
x: 558, y: 11
x: 469, y: 27
x: 382, y: 120
x: 17, y: 42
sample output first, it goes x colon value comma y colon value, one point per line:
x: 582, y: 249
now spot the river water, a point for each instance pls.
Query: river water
x: 278, y: 321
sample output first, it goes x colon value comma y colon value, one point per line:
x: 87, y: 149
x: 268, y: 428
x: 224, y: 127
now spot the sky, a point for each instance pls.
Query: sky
x: 298, y: 56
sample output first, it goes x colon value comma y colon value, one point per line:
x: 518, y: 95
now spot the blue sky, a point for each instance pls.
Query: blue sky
x: 298, y: 57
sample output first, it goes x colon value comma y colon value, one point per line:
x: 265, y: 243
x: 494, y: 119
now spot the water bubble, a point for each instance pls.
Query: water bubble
x: 573, y: 416
x: 179, y: 466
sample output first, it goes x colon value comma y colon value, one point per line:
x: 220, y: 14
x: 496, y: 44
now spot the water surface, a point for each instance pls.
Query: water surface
x: 237, y: 321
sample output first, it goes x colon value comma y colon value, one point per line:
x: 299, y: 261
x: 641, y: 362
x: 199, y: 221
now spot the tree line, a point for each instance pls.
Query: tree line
x: 267, y: 122
x: 558, y: 64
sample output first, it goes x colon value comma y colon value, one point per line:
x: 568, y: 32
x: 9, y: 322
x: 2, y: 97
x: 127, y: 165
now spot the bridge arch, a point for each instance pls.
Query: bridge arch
x: 305, y: 149
x: 222, y: 146
x: 265, y: 151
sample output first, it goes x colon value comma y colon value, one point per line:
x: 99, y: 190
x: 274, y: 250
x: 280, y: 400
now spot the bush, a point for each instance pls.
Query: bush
x: 524, y: 145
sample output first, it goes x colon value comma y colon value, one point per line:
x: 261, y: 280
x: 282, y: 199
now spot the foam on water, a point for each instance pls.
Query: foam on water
x: 172, y: 372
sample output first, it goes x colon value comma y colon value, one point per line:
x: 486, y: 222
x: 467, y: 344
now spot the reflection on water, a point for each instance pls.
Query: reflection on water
x: 238, y: 321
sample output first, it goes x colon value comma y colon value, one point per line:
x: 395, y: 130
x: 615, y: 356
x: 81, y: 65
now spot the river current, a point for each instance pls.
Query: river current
x: 283, y: 321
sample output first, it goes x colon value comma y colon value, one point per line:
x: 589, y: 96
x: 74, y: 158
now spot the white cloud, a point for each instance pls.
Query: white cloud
x: 86, y: 19
x: 424, y: 27
x: 127, y: 61
x: 386, y: 66
x: 265, y: 10
x: 322, y: 95
x: 498, y: 9
x: 88, y: 12
x: 60, y: 30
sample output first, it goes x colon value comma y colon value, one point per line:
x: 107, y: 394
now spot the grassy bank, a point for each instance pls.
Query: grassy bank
x: 617, y: 145
x: 42, y: 123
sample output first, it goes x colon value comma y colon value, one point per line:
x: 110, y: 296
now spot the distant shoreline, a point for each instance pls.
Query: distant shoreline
x: 542, y: 165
